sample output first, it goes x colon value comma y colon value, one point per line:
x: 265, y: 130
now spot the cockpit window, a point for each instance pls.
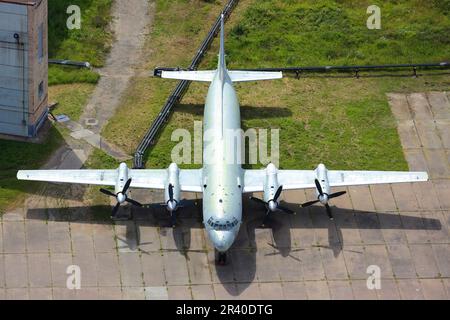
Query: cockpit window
x: 222, y: 225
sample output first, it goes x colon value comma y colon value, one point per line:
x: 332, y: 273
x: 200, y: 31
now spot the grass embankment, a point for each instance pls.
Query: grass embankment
x: 178, y: 29
x: 71, y: 98
x: 19, y: 155
x: 91, y: 43
x: 344, y: 123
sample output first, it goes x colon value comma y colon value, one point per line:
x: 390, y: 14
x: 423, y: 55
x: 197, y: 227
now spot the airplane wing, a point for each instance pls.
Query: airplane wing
x: 190, y: 180
x: 303, y: 179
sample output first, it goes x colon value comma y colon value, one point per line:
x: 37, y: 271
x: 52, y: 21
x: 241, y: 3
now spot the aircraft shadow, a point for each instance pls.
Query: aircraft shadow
x: 247, y: 112
x: 242, y: 258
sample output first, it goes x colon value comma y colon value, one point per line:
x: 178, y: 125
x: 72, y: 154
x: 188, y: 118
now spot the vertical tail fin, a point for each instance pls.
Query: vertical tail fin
x: 235, y: 76
x: 222, y: 64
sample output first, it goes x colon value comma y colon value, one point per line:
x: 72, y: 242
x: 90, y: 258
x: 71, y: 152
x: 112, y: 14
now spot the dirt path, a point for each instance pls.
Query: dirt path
x: 131, y: 23
x: 132, y: 20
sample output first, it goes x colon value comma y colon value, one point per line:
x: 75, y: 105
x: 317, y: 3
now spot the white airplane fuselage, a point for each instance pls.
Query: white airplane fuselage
x: 222, y: 169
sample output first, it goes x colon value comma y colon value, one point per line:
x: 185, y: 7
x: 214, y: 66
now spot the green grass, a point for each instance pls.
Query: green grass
x: 90, y: 43
x: 176, y: 33
x: 71, y: 99
x: 26, y: 156
x: 293, y: 33
x: 100, y: 159
x: 345, y: 123
x: 67, y: 75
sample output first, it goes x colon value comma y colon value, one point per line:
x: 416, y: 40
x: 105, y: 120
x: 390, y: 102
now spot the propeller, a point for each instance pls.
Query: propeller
x: 323, y: 198
x: 273, y: 205
x: 172, y: 205
x: 121, y: 197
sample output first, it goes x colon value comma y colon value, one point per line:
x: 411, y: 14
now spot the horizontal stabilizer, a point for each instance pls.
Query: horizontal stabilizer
x: 241, y: 76
x: 206, y: 76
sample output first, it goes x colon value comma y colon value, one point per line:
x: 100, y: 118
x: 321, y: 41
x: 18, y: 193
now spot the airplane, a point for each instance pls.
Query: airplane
x: 222, y: 184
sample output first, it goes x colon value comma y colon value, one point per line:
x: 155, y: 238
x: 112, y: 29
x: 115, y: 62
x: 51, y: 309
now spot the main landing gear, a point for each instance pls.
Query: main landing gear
x: 173, y: 219
x: 221, y: 258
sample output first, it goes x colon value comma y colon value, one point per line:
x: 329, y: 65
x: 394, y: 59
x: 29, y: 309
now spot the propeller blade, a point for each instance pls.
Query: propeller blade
x: 171, y: 192
x: 127, y: 185
x: 308, y: 204
x: 286, y: 210
x: 318, y: 186
x: 278, y: 193
x: 115, y: 209
x: 258, y: 200
x: 337, y: 194
x: 107, y: 192
x: 134, y: 202
x: 329, y: 213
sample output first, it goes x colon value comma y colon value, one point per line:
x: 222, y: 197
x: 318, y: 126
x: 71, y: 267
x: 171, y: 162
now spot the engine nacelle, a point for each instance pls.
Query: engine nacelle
x: 271, y: 184
x: 173, y: 178
x: 322, y: 176
x: 122, y: 178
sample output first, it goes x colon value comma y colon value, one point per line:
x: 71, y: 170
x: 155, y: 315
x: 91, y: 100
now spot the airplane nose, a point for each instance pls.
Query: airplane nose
x: 222, y: 240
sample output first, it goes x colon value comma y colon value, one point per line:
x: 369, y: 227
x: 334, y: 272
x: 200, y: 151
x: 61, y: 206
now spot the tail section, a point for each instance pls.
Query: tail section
x: 209, y: 75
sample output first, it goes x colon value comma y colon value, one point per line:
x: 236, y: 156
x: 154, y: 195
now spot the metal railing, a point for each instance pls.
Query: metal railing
x: 179, y: 91
x: 79, y: 64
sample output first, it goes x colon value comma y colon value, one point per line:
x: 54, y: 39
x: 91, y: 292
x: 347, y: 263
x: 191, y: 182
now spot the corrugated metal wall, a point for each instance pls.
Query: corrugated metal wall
x: 13, y: 69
